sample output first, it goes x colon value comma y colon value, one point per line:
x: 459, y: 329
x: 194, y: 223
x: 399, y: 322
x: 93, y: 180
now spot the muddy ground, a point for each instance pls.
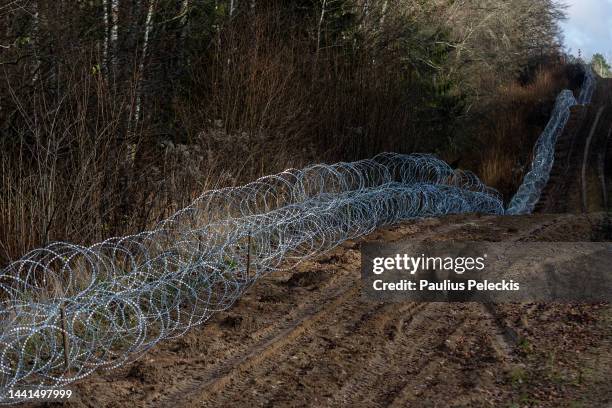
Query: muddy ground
x: 307, y: 337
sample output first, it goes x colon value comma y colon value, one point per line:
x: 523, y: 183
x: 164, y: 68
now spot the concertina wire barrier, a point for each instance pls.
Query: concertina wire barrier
x: 529, y: 192
x: 68, y: 310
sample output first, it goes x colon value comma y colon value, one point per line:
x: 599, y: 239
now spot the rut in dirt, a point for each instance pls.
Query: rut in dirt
x: 581, y: 178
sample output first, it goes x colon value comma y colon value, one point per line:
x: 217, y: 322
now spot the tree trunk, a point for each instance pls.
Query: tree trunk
x: 36, y: 41
x: 106, y: 40
x: 141, y: 67
x: 184, y: 13
x: 384, y: 12
x: 114, y: 33
x: 320, y: 26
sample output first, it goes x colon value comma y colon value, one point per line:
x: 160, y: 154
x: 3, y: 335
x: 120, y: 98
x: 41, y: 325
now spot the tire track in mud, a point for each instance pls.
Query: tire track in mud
x: 201, y: 387
x: 428, y: 372
x: 418, y: 338
x: 189, y: 393
x: 377, y: 378
x: 350, y: 315
x: 359, y: 383
x: 604, y: 165
x: 541, y: 227
x: 371, y: 314
x: 505, y: 338
x: 587, y: 150
x: 576, y: 181
x: 331, y: 339
x: 364, y: 384
x: 322, y: 344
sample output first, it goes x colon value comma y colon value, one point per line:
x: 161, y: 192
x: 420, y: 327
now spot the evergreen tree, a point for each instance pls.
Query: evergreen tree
x: 600, y: 65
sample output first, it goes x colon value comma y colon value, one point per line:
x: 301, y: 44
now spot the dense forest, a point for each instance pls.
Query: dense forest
x: 114, y: 113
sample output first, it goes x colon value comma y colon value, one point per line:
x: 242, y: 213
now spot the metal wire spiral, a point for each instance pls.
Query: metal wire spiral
x: 588, y: 86
x: 68, y: 310
x: 122, y: 296
x: 528, y: 194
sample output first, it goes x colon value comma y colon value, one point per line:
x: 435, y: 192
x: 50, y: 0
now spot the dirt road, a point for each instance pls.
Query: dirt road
x: 308, y: 338
x: 580, y: 180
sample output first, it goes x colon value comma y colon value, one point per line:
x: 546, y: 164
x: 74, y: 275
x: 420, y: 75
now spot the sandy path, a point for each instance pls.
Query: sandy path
x: 308, y: 338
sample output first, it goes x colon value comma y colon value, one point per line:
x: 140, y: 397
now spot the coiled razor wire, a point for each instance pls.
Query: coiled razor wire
x: 122, y: 296
x: 588, y: 86
x: 68, y: 310
x: 529, y: 192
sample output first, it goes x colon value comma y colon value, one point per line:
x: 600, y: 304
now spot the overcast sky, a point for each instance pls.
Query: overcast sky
x: 589, y: 27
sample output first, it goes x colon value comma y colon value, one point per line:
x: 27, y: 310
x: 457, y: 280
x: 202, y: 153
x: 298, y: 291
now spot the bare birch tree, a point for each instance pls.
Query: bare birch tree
x: 141, y: 67
x: 114, y: 33
x: 36, y: 41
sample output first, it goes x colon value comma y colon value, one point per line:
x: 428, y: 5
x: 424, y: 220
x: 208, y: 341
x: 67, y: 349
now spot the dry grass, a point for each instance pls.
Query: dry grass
x: 76, y: 168
x: 264, y: 78
x: 512, y: 125
x: 74, y: 174
x: 73, y: 177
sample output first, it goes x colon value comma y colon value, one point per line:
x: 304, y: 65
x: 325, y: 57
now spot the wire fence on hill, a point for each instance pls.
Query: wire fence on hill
x: 67, y: 310
x: 529, y: 192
